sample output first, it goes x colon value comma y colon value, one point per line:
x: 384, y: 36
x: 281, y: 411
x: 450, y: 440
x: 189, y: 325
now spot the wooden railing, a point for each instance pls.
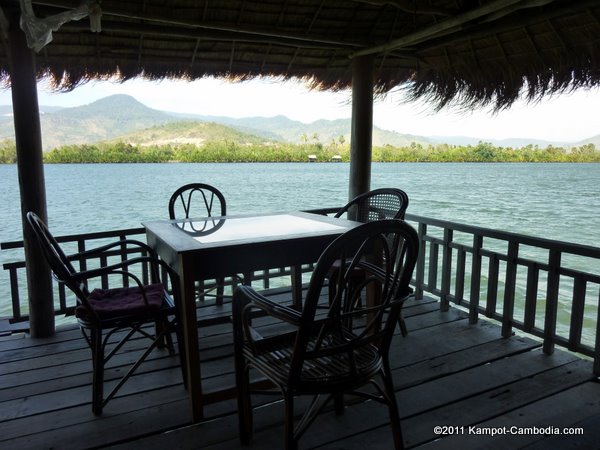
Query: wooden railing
x: 548, y: 289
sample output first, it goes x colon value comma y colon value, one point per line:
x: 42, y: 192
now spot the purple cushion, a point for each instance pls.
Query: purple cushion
x: 110, y: 303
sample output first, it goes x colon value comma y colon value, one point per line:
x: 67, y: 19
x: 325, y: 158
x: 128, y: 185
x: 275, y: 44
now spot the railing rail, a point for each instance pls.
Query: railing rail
x: 546, y: 288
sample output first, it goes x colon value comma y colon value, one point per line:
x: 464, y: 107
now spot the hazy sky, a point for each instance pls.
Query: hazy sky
x: 568, y: 118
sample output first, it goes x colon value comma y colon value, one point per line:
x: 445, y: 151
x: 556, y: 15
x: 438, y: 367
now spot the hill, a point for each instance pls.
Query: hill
x: 189, y: 132
x: 324, y: 131
x: 509, y: 142
x: 593, y: 140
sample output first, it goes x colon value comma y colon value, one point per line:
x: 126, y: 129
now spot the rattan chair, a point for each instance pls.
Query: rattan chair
x: 340, y: 350
x: 109, y: 316
x: 378, y: 204
x: 198, y: 200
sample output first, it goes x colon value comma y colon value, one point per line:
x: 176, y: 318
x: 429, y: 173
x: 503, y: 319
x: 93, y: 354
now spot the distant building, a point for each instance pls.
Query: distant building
x: 312, y: 158
x: 336, y: 158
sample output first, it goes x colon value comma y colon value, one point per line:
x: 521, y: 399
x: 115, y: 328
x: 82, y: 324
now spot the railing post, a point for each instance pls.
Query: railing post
x: 475, y: 279
x: 577, y: 312
x: 533, y: 275
x: 446, y: 269
x: 597, y: 346
x: 422, y: 232
x: 551, y: 301
x: 459, y: 290
x: 432, y: 272
x: 509, y: 288
x: 492, y: 286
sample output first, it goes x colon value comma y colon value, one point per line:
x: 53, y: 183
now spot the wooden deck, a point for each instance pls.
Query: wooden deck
x: 447, y: 373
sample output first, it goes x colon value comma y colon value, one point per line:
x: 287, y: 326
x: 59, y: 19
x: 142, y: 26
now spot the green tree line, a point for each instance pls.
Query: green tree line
x: 226, y: 151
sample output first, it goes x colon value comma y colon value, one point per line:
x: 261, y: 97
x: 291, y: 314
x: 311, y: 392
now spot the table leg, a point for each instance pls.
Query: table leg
x: 192, y: 354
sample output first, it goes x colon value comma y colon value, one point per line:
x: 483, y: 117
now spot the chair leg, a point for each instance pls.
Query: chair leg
x: 290, y: 442
x: 338, y: 402
x: 402, y: 324
x: 246, y: 425
x: 98, y: 370
x: 160, y: 326
x: 393, y: 409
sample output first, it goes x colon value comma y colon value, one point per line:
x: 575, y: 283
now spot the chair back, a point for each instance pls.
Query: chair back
x: 196, y: 200
x: 378, y: 204
x: 349, y: 321
x: 58, y: 261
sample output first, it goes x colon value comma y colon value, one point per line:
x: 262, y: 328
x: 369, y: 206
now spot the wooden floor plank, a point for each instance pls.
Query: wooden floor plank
x: 446, y: 371
x: 578, y: 406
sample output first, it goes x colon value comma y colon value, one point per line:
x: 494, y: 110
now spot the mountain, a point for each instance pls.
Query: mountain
x: 7, y: 110
x: 123, y: 117
x: 101, y: 120
x: 324, y: 131
x: 510, y: 142
x: 593, y: 140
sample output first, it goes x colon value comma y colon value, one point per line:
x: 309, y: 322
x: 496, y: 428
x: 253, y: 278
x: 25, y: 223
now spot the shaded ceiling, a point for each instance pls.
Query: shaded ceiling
x: 476, y: 52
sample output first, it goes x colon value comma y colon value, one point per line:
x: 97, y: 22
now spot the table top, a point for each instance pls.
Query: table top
x: 195, y: 234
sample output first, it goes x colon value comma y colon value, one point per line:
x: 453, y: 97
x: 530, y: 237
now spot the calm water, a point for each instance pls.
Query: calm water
x: 556, y: 201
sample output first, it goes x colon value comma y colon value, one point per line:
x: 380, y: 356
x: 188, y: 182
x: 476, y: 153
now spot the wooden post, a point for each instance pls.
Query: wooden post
x: 30, y: 167
x: 361, y: 138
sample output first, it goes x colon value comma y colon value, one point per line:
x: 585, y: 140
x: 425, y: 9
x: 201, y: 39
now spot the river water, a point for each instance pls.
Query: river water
x: 555, y: 201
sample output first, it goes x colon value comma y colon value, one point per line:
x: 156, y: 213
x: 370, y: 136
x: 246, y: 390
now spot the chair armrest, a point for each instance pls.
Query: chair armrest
x: 323, y: 211
x: 247, y: 295
x: 121, y: 268
x: 98, y: 250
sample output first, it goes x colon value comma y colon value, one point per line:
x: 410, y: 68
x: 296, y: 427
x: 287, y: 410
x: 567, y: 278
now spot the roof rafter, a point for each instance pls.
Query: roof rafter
x: 498, y: 7
x: 410, y: 7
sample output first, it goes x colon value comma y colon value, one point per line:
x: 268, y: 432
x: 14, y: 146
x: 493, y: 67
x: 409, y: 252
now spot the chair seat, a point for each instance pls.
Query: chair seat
x: 126, y: 301
x: 275, y: 355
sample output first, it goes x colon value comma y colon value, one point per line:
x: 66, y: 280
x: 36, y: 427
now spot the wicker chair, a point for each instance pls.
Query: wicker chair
x: 335, y: 351
x: 200, y: 200
x: 103, y: 313
x: 378, y: 204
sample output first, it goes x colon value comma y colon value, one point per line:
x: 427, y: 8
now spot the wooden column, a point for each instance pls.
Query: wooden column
x: 30, y: 168
x: 361, y: 138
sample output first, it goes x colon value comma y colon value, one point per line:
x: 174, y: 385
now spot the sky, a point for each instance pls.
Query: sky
x: 562, y: 118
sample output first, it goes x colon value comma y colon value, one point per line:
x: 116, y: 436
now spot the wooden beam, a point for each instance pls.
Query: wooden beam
x: 197, y: 35
x: 192, y: 24
x: 361, y: 137
x: 410, y: 7
x: 498, y: 7
x: 30, y: 167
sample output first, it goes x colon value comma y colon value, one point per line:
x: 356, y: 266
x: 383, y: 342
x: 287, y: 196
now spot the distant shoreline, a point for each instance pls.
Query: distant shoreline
x: 231, y: 152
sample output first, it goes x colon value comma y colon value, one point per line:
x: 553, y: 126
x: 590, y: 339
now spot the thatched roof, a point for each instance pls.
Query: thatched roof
x: 480, y: 51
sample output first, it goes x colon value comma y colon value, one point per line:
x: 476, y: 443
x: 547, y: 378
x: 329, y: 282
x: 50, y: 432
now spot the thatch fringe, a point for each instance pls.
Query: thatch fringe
x: 524, y: 51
